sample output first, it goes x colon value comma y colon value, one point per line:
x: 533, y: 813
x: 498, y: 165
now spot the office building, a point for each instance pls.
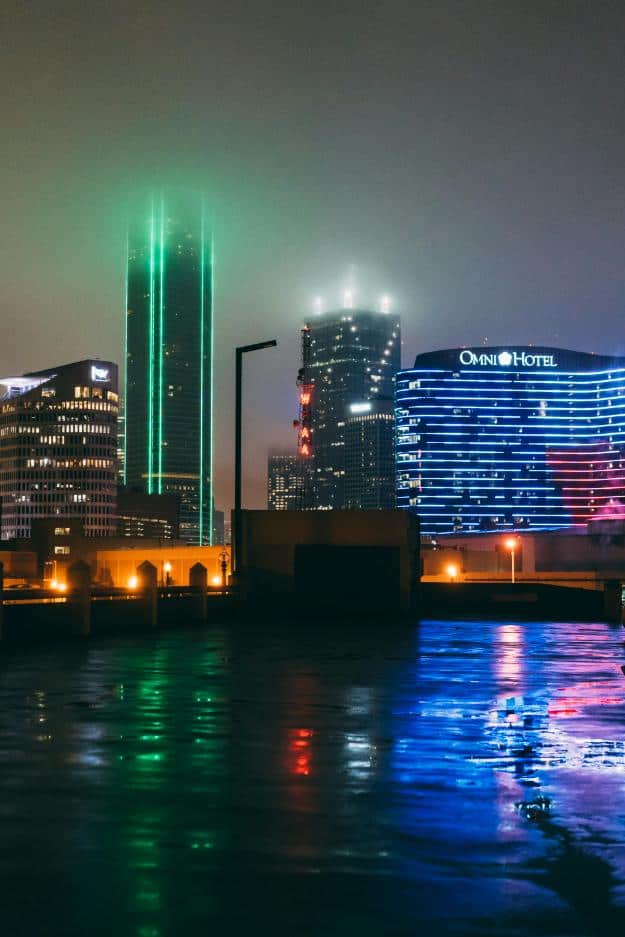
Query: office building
x: 505, y: 438
x: 218, y: 528
x: 121, y: 442
x: 284, y: 482
x: 370, y: 455
x: 153, y: 516
x: 169, y: 360
x: 350, y: 356
x: 58, y: 448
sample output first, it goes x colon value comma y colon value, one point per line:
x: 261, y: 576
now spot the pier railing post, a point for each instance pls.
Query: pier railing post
x: 198, y: 580
x: 612, y: 607
x: 79, y: 583
x: 146, y: 574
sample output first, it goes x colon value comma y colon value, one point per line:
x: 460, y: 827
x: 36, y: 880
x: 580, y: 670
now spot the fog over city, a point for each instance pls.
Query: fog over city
x: 464, y: 159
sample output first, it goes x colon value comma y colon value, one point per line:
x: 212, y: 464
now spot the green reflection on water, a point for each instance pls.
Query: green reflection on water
x: 173, y: 752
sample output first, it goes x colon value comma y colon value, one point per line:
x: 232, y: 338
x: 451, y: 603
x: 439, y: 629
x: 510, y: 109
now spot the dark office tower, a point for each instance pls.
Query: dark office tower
x: 58, y: 448
x: 121, y: 442
x: 169, y: 360
x: 349, y: 357
x: 284, y: 482
x: 370, y: 455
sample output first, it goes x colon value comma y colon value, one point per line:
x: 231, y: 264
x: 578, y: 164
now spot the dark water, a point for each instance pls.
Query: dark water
x: 243, y: 782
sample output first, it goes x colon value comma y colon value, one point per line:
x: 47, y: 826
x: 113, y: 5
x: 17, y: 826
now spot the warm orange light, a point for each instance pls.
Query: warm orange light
x: 54, y: 584
x: 216, y: 581
x: 452, y: 570
x: 59, y: 586
x: 133, y: 582
x: 511, y: 543
x: 167, y: 566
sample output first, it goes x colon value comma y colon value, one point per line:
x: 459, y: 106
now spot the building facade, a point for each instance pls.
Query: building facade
x: 58, y: 448
x: 150, y: 516
x: 350, y: 356
x: 370, y: 456
x: 505, y: 438
x: 168, y: 403
x: 285, y: 482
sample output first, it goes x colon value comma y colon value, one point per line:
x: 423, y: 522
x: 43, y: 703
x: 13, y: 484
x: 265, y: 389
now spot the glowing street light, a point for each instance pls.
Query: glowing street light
x: 511, y: 544
x: 452, y: 572
x: 133, y: 582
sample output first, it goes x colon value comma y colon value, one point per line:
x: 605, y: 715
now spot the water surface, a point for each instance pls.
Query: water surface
x: 450, y: 778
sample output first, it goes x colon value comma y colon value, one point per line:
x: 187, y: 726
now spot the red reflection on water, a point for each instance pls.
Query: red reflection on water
x: 300, y: 751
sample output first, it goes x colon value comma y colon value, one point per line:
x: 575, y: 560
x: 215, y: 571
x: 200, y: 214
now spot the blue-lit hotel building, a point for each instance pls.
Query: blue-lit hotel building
x: 510, y: 438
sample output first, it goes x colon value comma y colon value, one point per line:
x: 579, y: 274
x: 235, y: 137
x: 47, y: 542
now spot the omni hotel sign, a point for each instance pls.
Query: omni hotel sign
x: 508, y: 359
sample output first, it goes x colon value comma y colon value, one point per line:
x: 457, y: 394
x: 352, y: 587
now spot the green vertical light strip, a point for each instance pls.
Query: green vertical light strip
x: 212, y: 374
x: 150, y: 466
x: 161, y: 345
x: 202, y: 280
x: 126, y: 359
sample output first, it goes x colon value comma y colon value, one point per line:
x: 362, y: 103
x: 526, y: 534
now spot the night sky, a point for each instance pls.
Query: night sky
x: 466, y: 158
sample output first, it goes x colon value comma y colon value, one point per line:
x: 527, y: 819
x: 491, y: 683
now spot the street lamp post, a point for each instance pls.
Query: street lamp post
x: 511, y: 544
x: 223, y: 564
x: 236, y: 533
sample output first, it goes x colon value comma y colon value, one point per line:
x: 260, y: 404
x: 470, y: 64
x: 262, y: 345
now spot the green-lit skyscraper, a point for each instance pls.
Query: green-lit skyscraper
x: 169, y: 359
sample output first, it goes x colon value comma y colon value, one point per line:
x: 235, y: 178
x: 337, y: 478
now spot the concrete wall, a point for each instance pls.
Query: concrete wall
x: 270, y: 541
x: 115, y: 567
x: 19, y: 564
x: 538, y: 555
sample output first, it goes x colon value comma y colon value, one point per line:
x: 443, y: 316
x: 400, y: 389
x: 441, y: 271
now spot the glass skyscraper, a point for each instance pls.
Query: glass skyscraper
x: 285, y: 482
x: 505, y: 438
x: 168, y: 401
x: 350, y: 357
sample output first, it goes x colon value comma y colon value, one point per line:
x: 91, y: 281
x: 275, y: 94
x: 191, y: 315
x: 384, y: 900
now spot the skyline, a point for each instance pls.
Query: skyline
x: 467, y: 162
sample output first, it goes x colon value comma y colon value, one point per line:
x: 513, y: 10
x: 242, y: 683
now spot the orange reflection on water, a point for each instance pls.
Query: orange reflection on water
x: 509, y: 659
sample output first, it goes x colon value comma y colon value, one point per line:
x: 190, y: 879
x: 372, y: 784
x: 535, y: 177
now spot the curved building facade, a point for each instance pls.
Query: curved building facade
x: 515, y: 437
x: 58, y: 448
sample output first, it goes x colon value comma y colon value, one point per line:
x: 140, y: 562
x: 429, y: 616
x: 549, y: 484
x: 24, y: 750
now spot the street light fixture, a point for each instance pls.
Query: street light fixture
x: 452, y: 572
x: 236, y: 533
x: 511, y: 544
